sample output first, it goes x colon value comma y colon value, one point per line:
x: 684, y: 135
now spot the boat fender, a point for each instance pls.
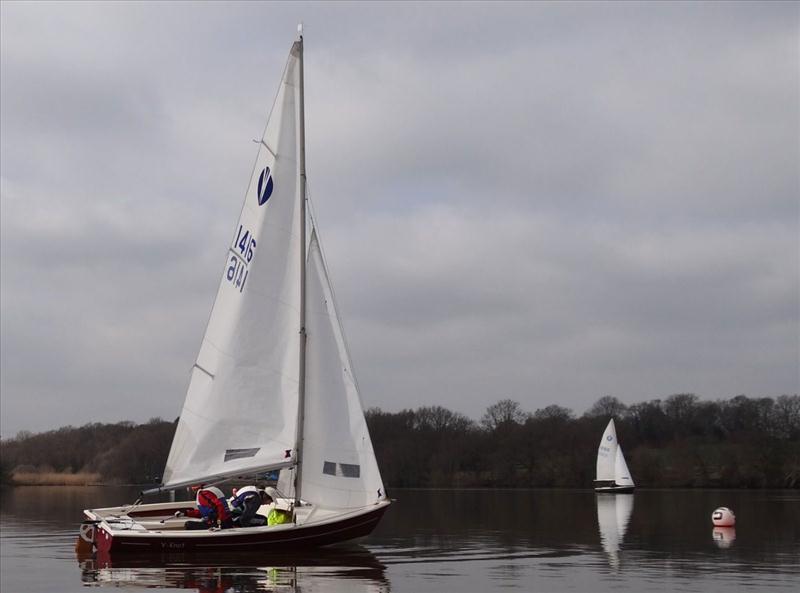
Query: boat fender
x: 85, y: 542
x: 87, y: 531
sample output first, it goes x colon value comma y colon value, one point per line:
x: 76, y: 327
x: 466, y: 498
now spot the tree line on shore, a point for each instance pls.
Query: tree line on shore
x: 123, y: 452
x: 680, y: 441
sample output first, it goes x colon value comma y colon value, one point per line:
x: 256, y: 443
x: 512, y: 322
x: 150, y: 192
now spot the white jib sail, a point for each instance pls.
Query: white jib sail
x: 240, y: 411
x: 607, y: 453
x: 339, y: 468
x: 622, y: 476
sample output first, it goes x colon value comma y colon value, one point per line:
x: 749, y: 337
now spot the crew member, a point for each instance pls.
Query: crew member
x: 245, y: 504
x: 212, y: 509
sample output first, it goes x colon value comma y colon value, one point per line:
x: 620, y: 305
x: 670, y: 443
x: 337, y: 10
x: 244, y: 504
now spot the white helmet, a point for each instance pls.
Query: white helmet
x: 246, y: 489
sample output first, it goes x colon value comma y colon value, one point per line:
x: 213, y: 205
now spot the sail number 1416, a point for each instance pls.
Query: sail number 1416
x: 242, y: 251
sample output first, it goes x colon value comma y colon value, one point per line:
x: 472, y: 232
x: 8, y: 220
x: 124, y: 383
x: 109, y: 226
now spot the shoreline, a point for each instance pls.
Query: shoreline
x: 95, y: 484
x: 54, y: 479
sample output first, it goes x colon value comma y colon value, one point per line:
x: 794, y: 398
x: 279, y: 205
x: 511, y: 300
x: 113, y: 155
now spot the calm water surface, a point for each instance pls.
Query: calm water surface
x: 445, y: 540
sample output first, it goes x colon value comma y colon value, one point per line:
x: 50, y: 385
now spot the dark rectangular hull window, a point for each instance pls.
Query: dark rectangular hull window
x: 240, y: 453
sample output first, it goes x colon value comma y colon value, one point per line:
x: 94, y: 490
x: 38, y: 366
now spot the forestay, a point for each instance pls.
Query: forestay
x: 240, y: 412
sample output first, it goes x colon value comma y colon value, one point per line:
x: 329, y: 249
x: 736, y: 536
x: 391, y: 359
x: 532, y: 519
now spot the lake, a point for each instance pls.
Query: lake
x: 445, y: 540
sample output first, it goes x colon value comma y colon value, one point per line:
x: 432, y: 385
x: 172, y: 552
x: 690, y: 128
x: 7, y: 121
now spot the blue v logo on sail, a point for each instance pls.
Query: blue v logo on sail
x: 265, y: 186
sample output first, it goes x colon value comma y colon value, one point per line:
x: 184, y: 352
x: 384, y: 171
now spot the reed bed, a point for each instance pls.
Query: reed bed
x: 55, y: 478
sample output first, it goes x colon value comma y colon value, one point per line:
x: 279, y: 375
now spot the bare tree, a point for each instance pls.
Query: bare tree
x: 554, y: 412
x: 607, y: 406
x: 504, y: 412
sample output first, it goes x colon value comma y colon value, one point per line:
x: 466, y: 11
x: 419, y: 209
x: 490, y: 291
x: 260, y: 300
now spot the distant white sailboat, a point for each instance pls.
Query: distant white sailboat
x: 612, y: 471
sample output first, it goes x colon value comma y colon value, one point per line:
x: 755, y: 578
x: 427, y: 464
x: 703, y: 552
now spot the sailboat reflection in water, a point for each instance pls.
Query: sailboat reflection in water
x: 345, y: 569
x: 613, y: 516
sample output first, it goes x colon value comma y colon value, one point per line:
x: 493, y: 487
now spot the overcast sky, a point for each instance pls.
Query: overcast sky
x: 542, y: 202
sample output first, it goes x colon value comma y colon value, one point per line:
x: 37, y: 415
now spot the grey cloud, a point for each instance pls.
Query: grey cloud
x: 549, y: 202
x: 487, y: 295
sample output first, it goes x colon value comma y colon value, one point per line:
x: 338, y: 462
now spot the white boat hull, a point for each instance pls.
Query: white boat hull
x: 610, y: 486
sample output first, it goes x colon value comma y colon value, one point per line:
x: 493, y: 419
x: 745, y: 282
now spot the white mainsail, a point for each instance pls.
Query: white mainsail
x: 338, y: 462
x: 240, y: 412
x: 622, y: 476
x: 607, y: 453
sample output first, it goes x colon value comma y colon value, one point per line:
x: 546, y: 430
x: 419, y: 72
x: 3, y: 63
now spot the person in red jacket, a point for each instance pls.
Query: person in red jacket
x: 212, y: 508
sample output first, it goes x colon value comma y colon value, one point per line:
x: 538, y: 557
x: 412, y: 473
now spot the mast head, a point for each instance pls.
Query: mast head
x: 300, y: 30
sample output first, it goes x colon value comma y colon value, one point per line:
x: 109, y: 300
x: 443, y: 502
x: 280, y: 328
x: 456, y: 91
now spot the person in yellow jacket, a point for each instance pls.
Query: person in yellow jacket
x: 276, y: 515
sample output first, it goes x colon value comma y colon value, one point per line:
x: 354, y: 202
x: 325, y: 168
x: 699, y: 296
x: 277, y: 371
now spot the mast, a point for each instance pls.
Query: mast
x: 301, y: 400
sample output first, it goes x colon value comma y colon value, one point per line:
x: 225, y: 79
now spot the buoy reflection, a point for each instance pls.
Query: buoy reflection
x: 724, y: 536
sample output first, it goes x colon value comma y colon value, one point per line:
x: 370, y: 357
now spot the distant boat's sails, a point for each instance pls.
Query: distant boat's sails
x: 607, y: 453
x: 622, y: 476
x: 610, y: 460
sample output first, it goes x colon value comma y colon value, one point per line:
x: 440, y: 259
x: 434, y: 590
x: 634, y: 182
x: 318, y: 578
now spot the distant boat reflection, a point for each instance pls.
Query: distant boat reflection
x: 613, y: 515
x: 723, y: 536
x: 336, y: 569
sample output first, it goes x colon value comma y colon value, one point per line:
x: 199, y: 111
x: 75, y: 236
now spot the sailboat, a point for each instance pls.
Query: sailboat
x: 612, y: 471
x: 273, y: 386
